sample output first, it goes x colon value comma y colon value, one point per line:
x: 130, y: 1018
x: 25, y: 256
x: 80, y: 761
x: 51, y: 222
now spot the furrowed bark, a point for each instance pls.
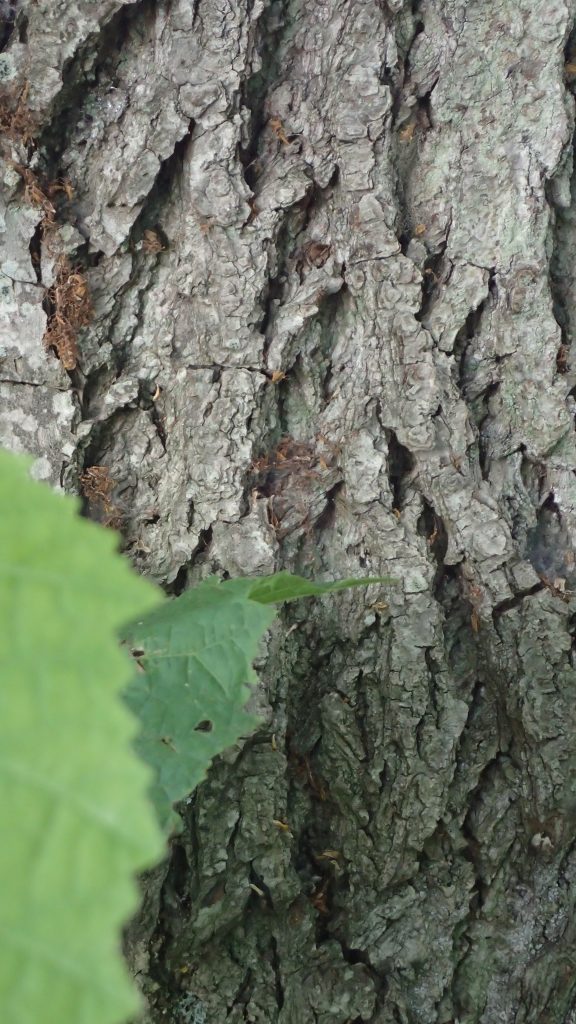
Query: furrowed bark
x: 330, y: 248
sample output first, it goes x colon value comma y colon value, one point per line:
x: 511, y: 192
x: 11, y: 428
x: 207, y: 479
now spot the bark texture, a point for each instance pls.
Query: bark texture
x: 331, y: 252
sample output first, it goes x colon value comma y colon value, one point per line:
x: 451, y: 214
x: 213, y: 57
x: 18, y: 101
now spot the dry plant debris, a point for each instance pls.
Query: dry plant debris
x: 70, y: 309
x: 295, y: 478
x: 67, y: 300
x: 152, y: 243
x: 97, y: 486
x: 37, y: 195
x: 17, y: 121
x: 304, y: 459
x: 42, y: 195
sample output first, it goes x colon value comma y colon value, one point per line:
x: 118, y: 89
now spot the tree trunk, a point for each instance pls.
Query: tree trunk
x: 327, y: 252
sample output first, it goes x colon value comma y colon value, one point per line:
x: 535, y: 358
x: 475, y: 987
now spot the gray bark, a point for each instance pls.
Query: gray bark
x: 351, y: 356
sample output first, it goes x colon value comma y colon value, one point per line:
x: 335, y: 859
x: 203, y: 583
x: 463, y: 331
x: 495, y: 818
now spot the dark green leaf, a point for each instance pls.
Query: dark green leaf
x: 285, y: 587
x: 195, y: 657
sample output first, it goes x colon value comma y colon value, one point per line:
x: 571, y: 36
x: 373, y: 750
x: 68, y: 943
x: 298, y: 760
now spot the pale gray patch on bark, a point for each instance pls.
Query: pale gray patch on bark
x: 350, y: 355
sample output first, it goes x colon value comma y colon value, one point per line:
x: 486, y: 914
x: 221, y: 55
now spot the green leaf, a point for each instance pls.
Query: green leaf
x: 195, y: 656
x: 285, y: 587
x: 74, y: 818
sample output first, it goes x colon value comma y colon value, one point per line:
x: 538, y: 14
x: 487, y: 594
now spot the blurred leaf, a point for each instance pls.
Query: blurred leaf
x: 74, y: 817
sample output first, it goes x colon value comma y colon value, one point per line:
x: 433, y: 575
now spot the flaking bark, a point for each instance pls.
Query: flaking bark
x: 330, y: 248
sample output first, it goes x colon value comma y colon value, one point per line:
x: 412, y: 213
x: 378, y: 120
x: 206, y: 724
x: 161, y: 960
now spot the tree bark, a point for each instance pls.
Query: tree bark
x: 330, y: 250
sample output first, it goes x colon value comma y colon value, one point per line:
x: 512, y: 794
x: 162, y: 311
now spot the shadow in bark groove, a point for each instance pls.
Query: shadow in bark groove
x: 273, y: 24
x: 81, y: 73
x: 400, y: 466
x: 150, y: 216
x: 198, y: 557
x: 436, y: 271
x: 9, y: 19
x: 464, y: 372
